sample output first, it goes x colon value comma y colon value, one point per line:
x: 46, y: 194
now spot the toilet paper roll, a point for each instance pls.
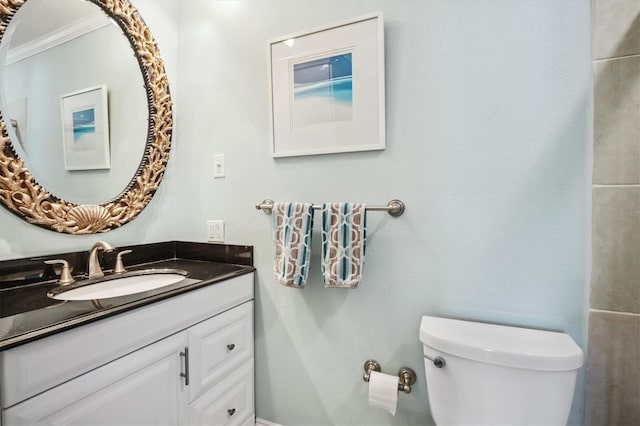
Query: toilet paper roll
x: 383, y: 391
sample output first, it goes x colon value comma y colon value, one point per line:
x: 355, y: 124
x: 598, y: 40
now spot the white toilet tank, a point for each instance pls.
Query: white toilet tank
x: 498, y: 375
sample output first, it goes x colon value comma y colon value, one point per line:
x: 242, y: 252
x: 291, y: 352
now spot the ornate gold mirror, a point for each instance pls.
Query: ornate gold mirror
x: 31, y: 201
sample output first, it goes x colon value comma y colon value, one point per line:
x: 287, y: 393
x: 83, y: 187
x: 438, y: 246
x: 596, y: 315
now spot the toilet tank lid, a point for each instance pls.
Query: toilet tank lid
x: 502, y: 345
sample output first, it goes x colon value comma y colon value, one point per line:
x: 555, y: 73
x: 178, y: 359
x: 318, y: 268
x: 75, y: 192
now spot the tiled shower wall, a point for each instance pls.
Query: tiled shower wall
x: 613, y: 373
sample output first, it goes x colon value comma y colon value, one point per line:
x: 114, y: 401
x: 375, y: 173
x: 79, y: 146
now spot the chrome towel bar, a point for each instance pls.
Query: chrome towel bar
x: 394, y: 207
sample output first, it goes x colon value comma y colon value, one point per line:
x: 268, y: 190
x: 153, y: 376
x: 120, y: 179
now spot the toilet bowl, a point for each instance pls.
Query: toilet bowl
x: 498, y: 375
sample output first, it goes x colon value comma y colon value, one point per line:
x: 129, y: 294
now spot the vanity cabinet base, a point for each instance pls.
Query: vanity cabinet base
x: 201, y: 374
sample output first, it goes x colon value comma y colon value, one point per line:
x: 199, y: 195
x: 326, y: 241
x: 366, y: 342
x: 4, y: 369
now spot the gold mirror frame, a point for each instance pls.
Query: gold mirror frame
x: 23, y: 196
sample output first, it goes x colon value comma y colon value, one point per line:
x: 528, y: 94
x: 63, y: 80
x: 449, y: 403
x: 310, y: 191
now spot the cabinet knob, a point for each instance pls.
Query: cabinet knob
x: 231, y: 411
x: 231, y: 346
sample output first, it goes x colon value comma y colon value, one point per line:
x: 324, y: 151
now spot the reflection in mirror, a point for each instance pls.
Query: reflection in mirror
x: 24, y: 195
x: 44, y: 62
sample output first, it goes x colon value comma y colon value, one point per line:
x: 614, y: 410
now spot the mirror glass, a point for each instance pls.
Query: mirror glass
x: 86, y: 115
x: 54, y: 48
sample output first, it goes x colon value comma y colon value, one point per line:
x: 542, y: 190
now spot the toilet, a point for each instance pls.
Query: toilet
x: 486, y: 374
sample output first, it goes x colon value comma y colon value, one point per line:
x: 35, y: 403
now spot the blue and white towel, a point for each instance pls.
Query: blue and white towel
x: 292, y: 225
x: 343, y: 243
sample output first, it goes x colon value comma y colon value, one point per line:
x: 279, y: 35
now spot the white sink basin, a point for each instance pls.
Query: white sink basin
x: 115, y: 286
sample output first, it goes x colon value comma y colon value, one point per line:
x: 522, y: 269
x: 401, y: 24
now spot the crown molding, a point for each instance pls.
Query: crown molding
x: 59, y: 36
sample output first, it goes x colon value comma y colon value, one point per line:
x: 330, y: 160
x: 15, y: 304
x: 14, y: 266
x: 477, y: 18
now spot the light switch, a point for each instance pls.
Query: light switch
x: 219, y: 169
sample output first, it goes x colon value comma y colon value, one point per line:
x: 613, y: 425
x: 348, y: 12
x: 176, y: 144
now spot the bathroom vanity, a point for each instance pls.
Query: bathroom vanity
x: 181, y: 354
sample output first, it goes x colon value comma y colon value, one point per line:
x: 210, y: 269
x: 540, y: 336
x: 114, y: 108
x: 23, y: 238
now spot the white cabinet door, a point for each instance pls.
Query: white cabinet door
x: 231, y: 402
x: 218, y: 346
x: 142, y: 388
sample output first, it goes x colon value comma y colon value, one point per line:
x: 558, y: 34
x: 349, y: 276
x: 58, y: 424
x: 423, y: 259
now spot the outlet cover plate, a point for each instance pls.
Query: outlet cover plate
x: 215, y: 231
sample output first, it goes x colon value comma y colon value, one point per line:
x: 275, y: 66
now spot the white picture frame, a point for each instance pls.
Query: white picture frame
x: 85, y: 129
x: 327, y: 89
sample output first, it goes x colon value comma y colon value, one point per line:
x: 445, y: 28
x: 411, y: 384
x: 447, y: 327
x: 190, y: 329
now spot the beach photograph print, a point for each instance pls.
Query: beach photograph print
x: 84, y: 130
x: 322, y: 90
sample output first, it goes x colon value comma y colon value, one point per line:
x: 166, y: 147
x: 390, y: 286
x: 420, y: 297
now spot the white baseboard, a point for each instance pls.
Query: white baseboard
x: 263, y: 422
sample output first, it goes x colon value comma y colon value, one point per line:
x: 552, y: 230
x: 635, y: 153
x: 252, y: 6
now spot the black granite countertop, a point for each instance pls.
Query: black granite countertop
x: 27, y: 313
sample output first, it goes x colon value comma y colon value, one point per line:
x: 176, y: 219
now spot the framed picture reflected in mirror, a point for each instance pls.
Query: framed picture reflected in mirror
x: 85, y: 129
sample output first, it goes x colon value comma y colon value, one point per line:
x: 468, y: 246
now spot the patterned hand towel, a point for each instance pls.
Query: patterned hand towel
x: 292, y: 225
x: 343, y: 241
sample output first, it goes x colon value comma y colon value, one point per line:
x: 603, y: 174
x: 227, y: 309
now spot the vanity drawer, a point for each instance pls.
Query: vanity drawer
x: 231, y: 402
x: 218, y: 346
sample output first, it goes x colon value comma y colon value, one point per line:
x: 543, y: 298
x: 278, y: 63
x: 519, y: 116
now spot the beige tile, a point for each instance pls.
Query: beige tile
x: 615, y: 276
x: 616, y: 28
x: 613, y: 373
x: 617, y: 121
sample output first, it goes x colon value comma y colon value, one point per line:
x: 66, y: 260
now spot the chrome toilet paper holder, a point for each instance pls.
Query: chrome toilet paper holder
x: 406, y: 376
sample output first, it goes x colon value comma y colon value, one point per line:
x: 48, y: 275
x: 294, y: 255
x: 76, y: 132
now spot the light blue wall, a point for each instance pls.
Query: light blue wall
x: 488, y: 135
x: 156, y: 222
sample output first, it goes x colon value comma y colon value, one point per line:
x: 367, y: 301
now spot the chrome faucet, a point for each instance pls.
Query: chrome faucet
x: 95, y: 271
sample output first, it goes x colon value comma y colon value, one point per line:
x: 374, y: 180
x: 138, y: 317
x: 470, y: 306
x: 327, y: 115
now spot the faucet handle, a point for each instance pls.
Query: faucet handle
x: 119, y: 265
x: 65, y: 275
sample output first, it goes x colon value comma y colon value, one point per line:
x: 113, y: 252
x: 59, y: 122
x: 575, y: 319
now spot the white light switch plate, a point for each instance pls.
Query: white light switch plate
x: 219, y: 168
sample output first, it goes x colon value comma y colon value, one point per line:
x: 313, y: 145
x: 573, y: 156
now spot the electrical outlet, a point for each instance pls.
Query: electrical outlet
x: 215, y: 231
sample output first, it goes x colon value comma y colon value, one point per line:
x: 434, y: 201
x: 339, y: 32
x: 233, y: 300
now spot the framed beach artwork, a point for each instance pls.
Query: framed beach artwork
x: 327, y: 89
x: 85, y: 129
